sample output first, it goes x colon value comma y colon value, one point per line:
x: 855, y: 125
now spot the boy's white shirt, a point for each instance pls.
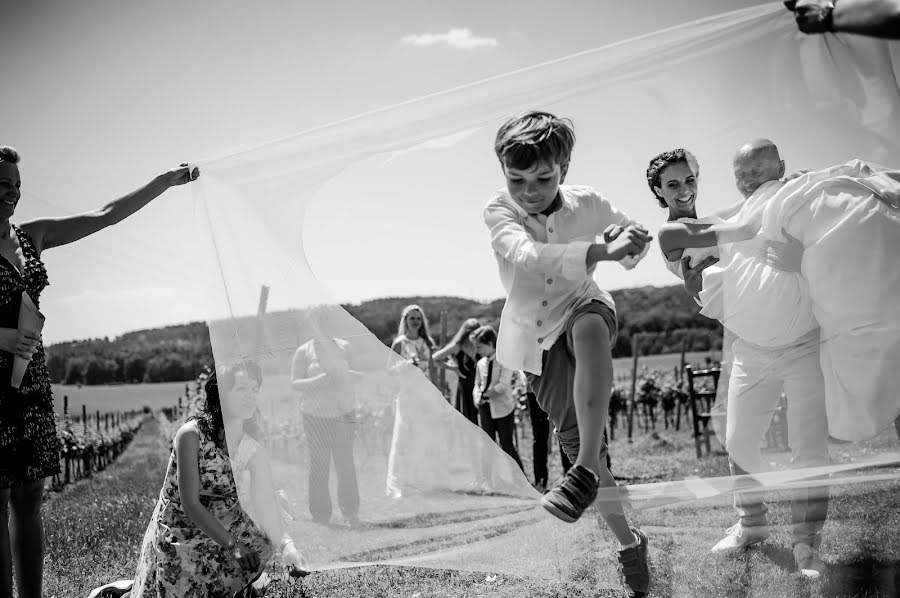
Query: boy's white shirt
x: 503, y: 403
x: 542, y: 261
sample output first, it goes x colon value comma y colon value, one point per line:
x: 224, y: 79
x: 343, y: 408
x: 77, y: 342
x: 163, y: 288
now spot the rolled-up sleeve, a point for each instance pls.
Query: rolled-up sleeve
x: 511, y: 241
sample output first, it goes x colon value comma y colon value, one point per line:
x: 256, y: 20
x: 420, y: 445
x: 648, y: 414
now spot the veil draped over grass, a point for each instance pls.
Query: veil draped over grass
x: 708, y: 85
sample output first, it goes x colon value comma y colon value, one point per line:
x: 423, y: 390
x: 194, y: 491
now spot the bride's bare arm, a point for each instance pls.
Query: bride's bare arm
x: 684, y: 235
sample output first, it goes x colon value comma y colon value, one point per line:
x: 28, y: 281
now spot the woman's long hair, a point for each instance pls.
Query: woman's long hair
x: 423, y: 331
x: 209, y: 415
x: 462, y: 335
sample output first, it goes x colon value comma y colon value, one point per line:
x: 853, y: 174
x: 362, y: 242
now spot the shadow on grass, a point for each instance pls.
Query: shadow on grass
x: 780, y: 556
x: 863, y: 577
x: 860, y: 578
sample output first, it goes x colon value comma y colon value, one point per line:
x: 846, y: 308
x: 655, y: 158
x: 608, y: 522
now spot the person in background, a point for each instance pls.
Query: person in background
x: 29, y: 447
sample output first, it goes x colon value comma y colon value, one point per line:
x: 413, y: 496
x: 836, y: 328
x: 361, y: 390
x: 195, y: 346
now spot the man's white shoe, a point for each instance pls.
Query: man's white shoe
x: 809, y: 564
x: 738, y: 536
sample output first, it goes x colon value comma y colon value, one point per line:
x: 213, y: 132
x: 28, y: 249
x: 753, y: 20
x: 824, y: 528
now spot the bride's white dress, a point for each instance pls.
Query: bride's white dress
x: 764, y: 299
x: 847, y: 219
x: 826, y: 256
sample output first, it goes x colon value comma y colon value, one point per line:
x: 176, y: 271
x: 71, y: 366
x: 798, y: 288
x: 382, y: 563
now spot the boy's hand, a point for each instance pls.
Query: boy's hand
x: 631, y: 241
x: 612, y: 231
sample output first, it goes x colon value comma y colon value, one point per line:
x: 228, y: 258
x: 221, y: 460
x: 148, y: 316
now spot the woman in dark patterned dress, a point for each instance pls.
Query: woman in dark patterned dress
x: 462, y: 352
x: 29, y: 448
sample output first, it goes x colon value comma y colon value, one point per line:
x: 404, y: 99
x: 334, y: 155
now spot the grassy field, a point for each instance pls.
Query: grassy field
x: 94, y: 530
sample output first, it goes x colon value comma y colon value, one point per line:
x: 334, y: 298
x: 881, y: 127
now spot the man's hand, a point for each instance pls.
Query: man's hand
x: 813, y: 16
x: 693, y: 277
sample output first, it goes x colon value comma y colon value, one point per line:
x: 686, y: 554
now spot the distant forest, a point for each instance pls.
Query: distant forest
x: 665, y: 317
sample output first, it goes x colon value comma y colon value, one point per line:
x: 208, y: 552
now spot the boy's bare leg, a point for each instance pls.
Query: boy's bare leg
x: 593, y: 385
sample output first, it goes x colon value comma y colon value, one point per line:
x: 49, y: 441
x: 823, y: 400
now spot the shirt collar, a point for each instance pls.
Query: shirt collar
x: 556, y: 205
x: 560, y: 203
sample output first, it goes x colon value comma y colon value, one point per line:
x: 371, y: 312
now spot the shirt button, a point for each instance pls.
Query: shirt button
x: 540, y: 339
x: 539, y: 322
x: 549, y: 281
x: 544, y: 303
x: 550, y: 229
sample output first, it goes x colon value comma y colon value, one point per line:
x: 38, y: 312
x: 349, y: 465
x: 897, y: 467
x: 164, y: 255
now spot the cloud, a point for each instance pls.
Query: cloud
x: 460, y: 39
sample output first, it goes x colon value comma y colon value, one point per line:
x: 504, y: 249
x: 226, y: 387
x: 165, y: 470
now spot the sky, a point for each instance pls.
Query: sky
x: 99, y: 97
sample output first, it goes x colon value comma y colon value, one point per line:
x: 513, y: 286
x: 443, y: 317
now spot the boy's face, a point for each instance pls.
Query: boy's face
x: 535, y: 188
x: 484, y: 349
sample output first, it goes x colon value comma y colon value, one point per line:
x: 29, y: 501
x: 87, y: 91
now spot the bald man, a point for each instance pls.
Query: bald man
x: 758, y: 377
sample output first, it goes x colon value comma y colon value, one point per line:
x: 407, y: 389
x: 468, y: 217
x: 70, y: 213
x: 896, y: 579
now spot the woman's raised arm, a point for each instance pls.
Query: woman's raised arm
x: 54, y: 232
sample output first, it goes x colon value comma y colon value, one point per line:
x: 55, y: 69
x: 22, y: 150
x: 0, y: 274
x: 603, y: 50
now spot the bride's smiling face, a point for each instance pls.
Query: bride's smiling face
x: 678, y: 188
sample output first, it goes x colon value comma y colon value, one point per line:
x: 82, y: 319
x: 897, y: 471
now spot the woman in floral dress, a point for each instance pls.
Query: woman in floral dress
x: 29, y: 448
x: 201, y: 543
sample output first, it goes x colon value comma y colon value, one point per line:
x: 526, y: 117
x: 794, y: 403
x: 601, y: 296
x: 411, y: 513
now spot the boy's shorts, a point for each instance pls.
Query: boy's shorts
x: 555, y: 387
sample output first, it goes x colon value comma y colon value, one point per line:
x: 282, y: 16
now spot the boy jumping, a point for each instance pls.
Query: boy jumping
x: 557, y: 325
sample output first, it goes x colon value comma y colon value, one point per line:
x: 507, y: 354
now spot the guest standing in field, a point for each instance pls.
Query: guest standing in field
x: 29, y: 448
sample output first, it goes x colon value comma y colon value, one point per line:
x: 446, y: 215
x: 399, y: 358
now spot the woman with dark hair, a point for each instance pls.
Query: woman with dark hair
x: 200, y: 540
x: 673, y: 177
x: 462, y: 352
x: 29, y: 448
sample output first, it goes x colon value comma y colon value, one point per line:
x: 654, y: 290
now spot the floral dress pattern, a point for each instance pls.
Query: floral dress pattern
x: 29, y: 446
x: 177, y: 559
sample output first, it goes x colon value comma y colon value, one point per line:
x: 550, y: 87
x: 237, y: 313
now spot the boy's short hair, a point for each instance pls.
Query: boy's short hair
x: 535, y: 137
x: 486, y: 335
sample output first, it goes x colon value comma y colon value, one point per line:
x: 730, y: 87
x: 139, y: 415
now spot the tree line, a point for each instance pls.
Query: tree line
x: 666, y: 318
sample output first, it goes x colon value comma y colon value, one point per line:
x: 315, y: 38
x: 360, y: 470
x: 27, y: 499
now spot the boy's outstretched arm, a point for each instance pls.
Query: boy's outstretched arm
x: 604, y: 214
x: 620, y: 243
x: 511, y: 242
x: 569, y: 260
